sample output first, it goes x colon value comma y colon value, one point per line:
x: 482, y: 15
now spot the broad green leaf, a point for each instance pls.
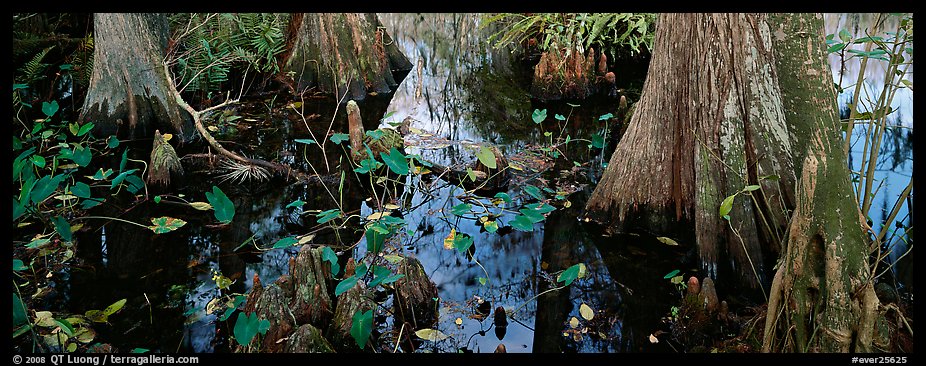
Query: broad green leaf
x: 227, y: 314
x: 751, y: 188
x: 586, y: 311
x: 224, y: 208
x: 38, y: 160
x: 328, y: 255
x: 101, y: 174
x: 121, y: 177
x: 671, y: 274
x: 86, y: 127
x: 296, y: 203
x: 37, y: 243
x: 532, y: 215
x: 45, y: 186
x: 432, y: 335
x: 361, y: 327
x: 82, y: 156
x: 246, y: 328
x: 539, y: 115
x: 339, y: 138
x: 666, y: 240
x: 462, y: 242
x: 285, y: 242
x: 605, y: 116
x: 383, y: 275
x: 112, y: 142
x: 62, y: 227
x: 165, y: 224
x: 396, y: 161
x: 328, y: 215
x: 844, y: 35
x: 19, y: 311
x: 482, y: 280
x: 597, y: 141
x: 522, y: 223
x: 367, y: 165
x: 541, y: 207
x: 375, y: 239
x: 90, y: 203
x: 375, y: 134
x: 50, y: 108
x: 533, y: 191
x: 487, y: 157
x: 490, y: 226
x: 305, y: 141
x: 504, y: 196
x: 569, y: 275
x: 18, y: 265
x: 726, y: 205
x: 81, y: 189
x: 96, y: 316
x: 559, y: 117
x: 470, y: 174
x: 115, y: 307
x: 461, y: 209
x: 351, y: 281
x: 836, y: 47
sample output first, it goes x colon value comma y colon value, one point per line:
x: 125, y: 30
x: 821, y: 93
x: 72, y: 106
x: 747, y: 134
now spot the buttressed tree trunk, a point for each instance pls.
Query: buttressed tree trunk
x: 822, y: 298
x: 334, y: 53
x: 708, y: 124
x: 129, y: 87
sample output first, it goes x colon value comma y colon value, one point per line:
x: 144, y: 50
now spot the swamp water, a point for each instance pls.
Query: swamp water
x: 468, y: 93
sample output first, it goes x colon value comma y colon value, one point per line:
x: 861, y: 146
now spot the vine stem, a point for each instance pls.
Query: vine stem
x: 111, y: 218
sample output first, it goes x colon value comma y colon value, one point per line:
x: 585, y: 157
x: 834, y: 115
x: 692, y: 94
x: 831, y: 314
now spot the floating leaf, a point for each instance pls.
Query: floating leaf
x: 165, y: 224
x: 490, y: 226
x: 487, y: 157
x: 432, y: 335
x: 396, y: 161
x: 361, y: 327
x: 296, y: 203
x: 202, y: 206
x: 339, y: 138
x: 44, y: 319
x: 285, y: 242
x: 671, y: 274
x: 328, y: 255
x: 448, y: 241
x: 532, y: 215
x: 482, y: 280
x: 84, y: 335
x: 96, y: 316
x: 726, y: 205
x: 586, y: 311
x: 522, y: 223
x: 224, y: 207
x: 666, y: 240
x: 539, y: 115
x: 569, y: 275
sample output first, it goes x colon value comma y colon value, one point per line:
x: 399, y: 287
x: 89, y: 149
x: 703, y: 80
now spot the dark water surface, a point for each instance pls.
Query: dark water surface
x: 468, y: 93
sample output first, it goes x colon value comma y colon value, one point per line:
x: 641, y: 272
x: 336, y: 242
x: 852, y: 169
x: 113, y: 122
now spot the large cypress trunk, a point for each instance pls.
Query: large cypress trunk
x: 129, y: 87
x: 709, y: 123
x: 339, y: 53
x: 822, y: 298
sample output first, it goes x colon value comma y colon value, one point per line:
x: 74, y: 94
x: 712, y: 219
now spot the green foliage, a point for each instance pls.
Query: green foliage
x: 487, y: 157
x: 248, y: 326
x: 361, y: 327
x: 571, y: 274
x: 351, y: 281
x: 610, y: 32
x: 161, y: 225
x: 224, y: 207
x: 328, y: 255
x: 396, y: 161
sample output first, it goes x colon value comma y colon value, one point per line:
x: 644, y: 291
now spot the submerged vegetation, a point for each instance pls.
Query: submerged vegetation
x: 302, y: 221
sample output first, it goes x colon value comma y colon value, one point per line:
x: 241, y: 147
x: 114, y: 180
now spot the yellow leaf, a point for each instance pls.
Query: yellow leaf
x: 65, y: 197
x: 567, y: 204
x: 653, y: 339
x: 459, y: 321
x: 515, y: 167
x: 68, y: 166
x: 431, y: 335
x: 448, y: 241
x: 586, y: 311
x: 306, y: 239
x: 666, y: 240
x: 212, y: 128
x: 582, y: 270
x: 574, y: 322
x: 167, y: 136
x: 212, y: 306
x: 202, y: 206
x: 392, y: 258
x: 96, y: 316
x: 414, y: 130
x: 390, y: 206
x: 377, y: 215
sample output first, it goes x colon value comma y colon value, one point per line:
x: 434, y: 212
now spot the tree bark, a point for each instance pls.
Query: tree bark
x: 709, y: 123
x: 129, y: 87
x: 822, y: 298
x: 337, y: 53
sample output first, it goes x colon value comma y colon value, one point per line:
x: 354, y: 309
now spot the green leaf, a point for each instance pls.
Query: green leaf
x: 37, y: 243
x: 559, y: 117
x: 375, y: 239
x: 296, y: 203
x: 227, y: 314
x: 836, y: 47
x: 751, y: 188
x: 539, y: 115
x: 328, y: 215
x: 18, y: 265
x: 482, y: 280
x: 671, y: 274
x: 462, y: 242
x: 66, y: 327
x: 139, y: 350
x: 396, y: 161
x: 101, y: 175
x: 124, y: 161
x: 541, y: 207
x: 224, y: 208
x: 490, y: 226
x: 605, y: 116
x: 367, y: 165
x: 727, y: 205
x: 247, y: 327
x: 504, y: 196
x: 382, y: 275
x: 339, y: 138
x: 85, y: 128
x: 532, y: 215
x: 487, y: 157
x: 50, y: 108
x: 73, y: 128
x: 62, y: 227
x: 135, y: 183
x: 90, y: 203
x: 351, y: 281
x: 470, y: 174
x: 844, y: 35
x: 533, y: 191
x: 522, y: 223
x: 597, y: 141
x: 461, y: 209
x: 81, y: 189
x: 666, y: 240
x: 375, y: 134
x: 432, y: 335
x: 114, y: 308
x: 285, y: 242
x: 361, y: 327
x: 112, y: 142
x: 38, y: 160
x: 165, y: 224
x: 121, y: 177
x: 569, y: 275
x: 305, y: 141
x: 328, y: 255
x: 45, y: 186
x: 19, y: 311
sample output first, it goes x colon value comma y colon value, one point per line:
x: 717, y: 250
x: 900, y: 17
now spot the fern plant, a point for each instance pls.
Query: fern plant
x: 609, y: 32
